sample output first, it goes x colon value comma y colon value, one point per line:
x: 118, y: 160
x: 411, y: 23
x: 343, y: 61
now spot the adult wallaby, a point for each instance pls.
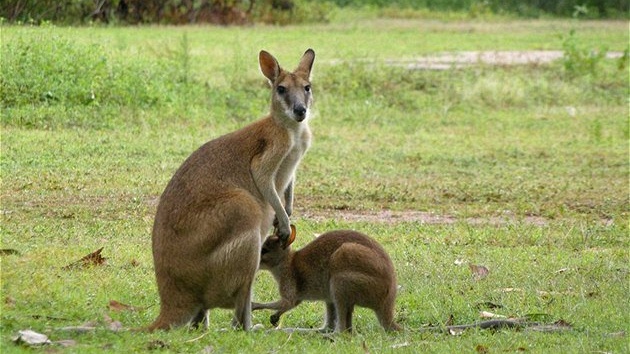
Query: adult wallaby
x: 220, y: 203
x: 344, y: 268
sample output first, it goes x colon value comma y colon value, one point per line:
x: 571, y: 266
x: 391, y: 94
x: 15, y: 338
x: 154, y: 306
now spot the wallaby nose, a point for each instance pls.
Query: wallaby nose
x: 299, y: 111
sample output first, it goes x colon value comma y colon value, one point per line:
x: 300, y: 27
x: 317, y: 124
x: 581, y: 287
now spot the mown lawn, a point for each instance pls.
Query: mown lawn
x: 521, y: 169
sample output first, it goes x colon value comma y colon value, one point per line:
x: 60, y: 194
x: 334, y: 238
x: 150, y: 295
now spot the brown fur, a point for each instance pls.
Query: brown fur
x: 344, y: 268
x: 215, y: 210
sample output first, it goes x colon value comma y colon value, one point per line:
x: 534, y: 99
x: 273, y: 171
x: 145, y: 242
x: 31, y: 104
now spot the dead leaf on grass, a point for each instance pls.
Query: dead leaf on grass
x: 31, y: 338
x: 456, y: 331
x: 93, y: 259
x: 400, y: 345
x: 510, y: 290
x: 119, y: 306
x: 481, y: 348
x: 8, y: 252
x: 486, y: 314
x: 479, y: 272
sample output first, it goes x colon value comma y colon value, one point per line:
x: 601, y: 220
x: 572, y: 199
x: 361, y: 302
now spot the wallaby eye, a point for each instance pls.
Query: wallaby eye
x: 281, y: 89
x: 307, y: 88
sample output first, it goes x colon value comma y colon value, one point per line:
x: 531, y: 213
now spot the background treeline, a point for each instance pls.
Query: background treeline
x: 283, y: 11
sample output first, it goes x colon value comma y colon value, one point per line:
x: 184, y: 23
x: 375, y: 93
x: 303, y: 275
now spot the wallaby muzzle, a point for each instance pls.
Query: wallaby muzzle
x: 299, y: 110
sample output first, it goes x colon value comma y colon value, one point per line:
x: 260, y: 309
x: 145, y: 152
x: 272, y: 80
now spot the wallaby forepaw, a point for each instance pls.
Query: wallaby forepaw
x: 283, y: 233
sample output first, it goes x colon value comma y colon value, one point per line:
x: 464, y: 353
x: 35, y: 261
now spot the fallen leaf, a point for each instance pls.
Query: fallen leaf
x: 400, y: 345
x: 134, y: 263
x: 479, y: 271
x: 486, y: 314
x: 8, y: 252
x: 92, y: 259
x: 455, y: 331
x: 450, y: 320
x: 119, y: 306
x: 510, y: 290
x: 31, y: 338
x: 481, y: 348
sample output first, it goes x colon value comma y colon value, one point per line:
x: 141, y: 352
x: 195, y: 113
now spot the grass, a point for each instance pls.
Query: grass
x: 96, y: 120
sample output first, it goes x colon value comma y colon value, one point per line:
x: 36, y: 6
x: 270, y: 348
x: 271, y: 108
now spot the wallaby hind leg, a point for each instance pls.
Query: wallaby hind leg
x: 344, y: 316
x: 343, y: 307
x: 385, y: 317
x: 177, y: 313
x: 243, y: 265
x: 331, y: 316
x: 243, y: 309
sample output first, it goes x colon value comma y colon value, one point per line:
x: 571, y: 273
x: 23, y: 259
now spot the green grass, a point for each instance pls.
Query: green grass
x: 96, y: 120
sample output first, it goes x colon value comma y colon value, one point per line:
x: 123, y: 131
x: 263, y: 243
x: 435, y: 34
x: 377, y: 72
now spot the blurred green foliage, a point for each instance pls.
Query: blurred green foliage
x: 240, y: 12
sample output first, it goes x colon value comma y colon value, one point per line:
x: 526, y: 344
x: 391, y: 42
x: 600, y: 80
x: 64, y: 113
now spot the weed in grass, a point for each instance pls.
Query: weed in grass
x: 579, y: 60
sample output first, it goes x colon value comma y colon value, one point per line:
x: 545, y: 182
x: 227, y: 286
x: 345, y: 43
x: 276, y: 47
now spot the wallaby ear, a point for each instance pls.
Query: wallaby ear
x: 291, y: 237
x: 306, y: 63
x: 268, y: 65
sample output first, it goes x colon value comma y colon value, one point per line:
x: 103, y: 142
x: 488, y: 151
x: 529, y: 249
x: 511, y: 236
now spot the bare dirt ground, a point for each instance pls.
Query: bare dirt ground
x: 422, y: 217
x: 454, y: 60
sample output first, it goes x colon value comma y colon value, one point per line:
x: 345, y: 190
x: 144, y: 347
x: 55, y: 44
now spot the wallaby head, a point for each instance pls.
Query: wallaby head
x: 275, y: 251
x: 291, y: 91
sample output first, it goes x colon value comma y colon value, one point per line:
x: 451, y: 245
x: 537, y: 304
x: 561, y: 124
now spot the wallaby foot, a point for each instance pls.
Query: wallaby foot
x: 201, y: 318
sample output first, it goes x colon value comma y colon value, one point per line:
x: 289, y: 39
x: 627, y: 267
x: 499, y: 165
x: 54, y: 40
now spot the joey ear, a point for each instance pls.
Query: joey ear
x: 306, y: 63
x: 268, y: 65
